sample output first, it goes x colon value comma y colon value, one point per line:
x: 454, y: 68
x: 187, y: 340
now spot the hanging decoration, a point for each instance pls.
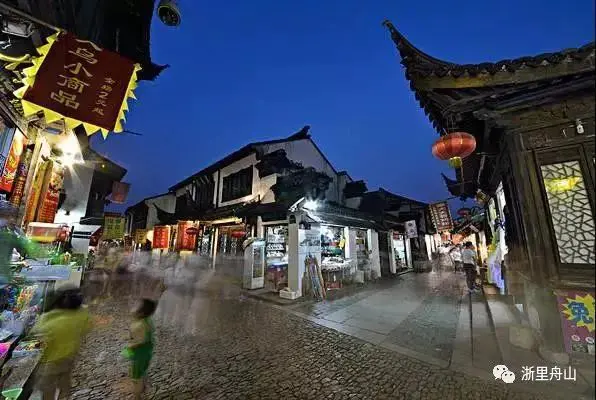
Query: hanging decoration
x: 120, y: 192
x: 454, y: 147
x: 76, y: 81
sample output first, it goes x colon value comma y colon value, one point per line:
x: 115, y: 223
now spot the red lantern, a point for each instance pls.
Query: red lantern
x: 453, y: 147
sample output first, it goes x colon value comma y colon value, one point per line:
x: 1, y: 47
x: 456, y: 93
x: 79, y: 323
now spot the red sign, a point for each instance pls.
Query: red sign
x: 577, y: 320
x: 161, y: 237
x: 120, y: 192
x: 82, y: 81
x: 12, y: 161
x: 51, y: 197
x: 18, y: 189
x: 184, y: 240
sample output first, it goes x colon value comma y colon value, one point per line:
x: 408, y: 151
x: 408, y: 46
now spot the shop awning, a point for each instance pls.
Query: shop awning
x: 333, y: 219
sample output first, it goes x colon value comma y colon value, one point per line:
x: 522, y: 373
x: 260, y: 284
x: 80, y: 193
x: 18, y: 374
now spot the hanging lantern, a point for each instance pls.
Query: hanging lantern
x: 453, y: 147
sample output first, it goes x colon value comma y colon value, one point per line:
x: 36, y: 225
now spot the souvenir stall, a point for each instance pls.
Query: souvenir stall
x: 53, y: 241
x: 276, y: 246
x: 329, y: 246
x: 402, y: 253
x: 21, y: 303
x: 335, y: 266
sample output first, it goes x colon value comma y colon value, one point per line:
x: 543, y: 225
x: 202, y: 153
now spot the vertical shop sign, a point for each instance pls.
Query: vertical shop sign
x: 577, y: 320
x: 186, y: 236
x: 441, y: 216
x: 12, y: 161
x: 113, y: 227
x: 18, y: 190
x: 36, y: 190
x: 161, y: 237
x: 78, y: 81
x: 140, y: 236
x: 51, y: 196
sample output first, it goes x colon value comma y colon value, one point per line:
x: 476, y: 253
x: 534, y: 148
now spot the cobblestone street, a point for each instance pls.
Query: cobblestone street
x: 221, y: 345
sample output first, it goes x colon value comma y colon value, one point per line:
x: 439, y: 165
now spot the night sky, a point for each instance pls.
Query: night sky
x: 244, y: 71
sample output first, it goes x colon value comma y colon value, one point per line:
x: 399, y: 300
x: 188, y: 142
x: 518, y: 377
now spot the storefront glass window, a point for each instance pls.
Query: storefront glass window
x: 571, y: 212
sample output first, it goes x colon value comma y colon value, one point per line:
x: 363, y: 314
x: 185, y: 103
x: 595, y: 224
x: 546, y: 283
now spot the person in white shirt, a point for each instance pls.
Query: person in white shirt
x: 469, y: 260
x: 455, y: 254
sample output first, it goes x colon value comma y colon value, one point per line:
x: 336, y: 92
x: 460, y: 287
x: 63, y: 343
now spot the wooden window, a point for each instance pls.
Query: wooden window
x: 237, y: 185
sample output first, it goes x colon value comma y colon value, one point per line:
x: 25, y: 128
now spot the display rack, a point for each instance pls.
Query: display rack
x: 276, y: 256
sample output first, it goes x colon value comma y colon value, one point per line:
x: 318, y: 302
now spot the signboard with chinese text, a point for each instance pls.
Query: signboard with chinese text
x: 79, y: 82
x: 113, y: 226
x: 12, y: 161
x: 140, y: 236
x: 441, y: 216
x: 161, y: 237
x: 577, y: 320
x: 36, y: 190
x: 50, y: 197
x: 18, y: 190
x: 185, y: 239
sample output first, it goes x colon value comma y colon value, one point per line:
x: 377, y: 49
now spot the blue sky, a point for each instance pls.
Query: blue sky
x: 246, y: 71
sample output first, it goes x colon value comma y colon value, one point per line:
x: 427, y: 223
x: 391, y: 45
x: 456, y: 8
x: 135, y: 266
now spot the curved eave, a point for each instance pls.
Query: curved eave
x: 427, y: 74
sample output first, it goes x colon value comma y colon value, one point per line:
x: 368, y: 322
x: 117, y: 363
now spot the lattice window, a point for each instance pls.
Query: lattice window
x: 571, y: 212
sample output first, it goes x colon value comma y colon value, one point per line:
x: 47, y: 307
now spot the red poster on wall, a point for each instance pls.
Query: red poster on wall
x: 49, y: 200
x: 186, y: 238
x: 18, y: 190
x: 161, y: 237
x: 12, y: 161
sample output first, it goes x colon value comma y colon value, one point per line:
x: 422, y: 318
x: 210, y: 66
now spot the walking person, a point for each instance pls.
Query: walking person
x: 62, y: 330
x: 469, y: 260
x: 455, y: 254
x: 140, y: 346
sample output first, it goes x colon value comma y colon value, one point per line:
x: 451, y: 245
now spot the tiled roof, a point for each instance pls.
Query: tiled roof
x: 421, y: 64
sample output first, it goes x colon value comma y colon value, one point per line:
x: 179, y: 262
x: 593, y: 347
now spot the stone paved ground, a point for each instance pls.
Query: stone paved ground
x: 223, y: 346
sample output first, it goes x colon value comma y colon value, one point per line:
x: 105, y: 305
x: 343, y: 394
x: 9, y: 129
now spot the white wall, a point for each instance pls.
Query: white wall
x: 166, y: 202
x: 77, y: 183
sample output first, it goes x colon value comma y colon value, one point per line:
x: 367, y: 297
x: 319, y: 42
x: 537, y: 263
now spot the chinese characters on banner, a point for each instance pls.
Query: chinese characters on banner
x: 186, y: 237
x: 441, y: 216
x: 577, y: 320
x: 12, y: 161
x: 140, y: 236
x: 113, y: 226
x: 81, y: 82
x: 120, y: 192
x: 18, y: 190
x: 161, y: 237
x: 36, y: 190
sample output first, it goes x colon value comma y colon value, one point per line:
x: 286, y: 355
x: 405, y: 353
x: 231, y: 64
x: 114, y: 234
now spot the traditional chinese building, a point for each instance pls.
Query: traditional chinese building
x: 533, y: 120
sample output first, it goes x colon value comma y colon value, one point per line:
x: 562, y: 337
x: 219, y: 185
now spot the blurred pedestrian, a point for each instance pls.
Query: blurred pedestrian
x: 469, y: 260
x: 140, y: 346
x: 62, y: 330
x: 455, y: 254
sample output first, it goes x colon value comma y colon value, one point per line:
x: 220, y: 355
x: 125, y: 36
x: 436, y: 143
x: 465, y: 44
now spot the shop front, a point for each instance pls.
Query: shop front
x: 329, y: 247
x: 401, y: 252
